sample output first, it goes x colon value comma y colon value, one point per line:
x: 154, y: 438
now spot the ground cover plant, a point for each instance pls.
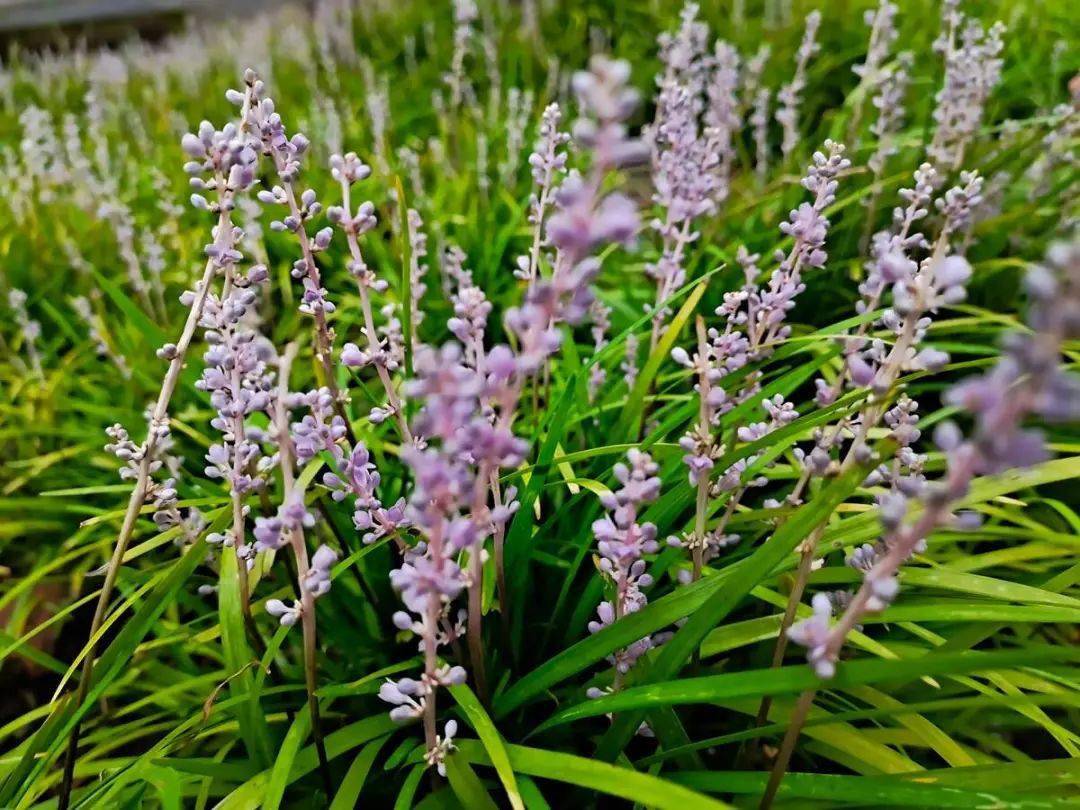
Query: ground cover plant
x: 544, y: 405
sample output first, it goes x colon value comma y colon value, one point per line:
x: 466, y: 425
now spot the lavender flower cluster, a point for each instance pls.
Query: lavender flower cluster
x: 1027, y: 381
x: 754, y: 321
x: 692, y: 145
x: 469, y: 395
x: 623, y: 541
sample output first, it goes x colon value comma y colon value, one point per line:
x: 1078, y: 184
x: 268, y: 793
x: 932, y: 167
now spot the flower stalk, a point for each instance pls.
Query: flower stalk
x: 232, y: 164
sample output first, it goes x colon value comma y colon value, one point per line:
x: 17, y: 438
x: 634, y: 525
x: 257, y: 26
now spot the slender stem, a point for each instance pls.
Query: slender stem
x: 430, y: 680
x: 871, y: 213
x: 871, y: 414
x: 870, y: 78
x: 281, y: 415
x: 324, y: 338
x: 142, y: 481
x: 369, y: 319
x: 476, y: 584
x: 947, y: 58
x: 538, y: 226
x: 787, y: 747
x: 487, y: 480
x: 300, y: 552
x: 307, y: 604
x: 806, y: 563
x: 673, y: 247
x: 500, y: 537
x: 475, y: 637
x: 237, y: 498
x: 222, y: 232
x: 705, y: 430
x: 431, y: 664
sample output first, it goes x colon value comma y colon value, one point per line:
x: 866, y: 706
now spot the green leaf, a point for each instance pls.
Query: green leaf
x: 467, y: 785
x: 534, y: 799
x: 348, y: 793
x: 491, y: 739
x: 153, y: 334
x: 795, y: 679
x: 859, y: 791
x: 238, y: 659
x: 599, y: 776
x: 517, y: 542
x: 405, y: 796
x: 286, y: 756
x: 654, y: 616
x: 112, y: 662
x: 629, y: 424
x: 883, y: 714
x: 249, y: 795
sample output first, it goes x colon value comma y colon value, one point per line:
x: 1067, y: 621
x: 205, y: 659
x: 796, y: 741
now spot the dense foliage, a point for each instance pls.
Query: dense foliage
x: 519, y: 432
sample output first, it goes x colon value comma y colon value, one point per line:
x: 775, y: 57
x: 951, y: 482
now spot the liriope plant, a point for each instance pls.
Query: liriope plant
x: 750, y: 341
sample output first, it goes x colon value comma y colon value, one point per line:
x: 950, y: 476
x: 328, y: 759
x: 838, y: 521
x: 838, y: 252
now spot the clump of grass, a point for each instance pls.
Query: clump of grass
x: 882, y: 425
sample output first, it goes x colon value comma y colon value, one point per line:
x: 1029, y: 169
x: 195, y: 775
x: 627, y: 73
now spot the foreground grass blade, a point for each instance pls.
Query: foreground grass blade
x: 249, y: 795
x: 348, y: 793
x: 467, y: 785
x: 239, y: 657
x: 795, y: 679
x: 286, y: 756
x: 109, y: 666
x: 599, y: 776
x: 491, y: 739
x: 863, y: 791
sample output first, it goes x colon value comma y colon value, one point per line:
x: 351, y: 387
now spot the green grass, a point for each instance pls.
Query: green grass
x: 962, y: 694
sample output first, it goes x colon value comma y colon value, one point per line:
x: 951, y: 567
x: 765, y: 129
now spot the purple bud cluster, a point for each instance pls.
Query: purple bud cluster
x: 320, y: 429
x: 754, y: 319
x: 430, y: 578
x: 301, y: 207
x: 383, y: 345
x: 417, y: 271
x: 471, y: 307
x: 622, y: 541
x: 766, y: 309
x: 168, y: 514
x: 789, y: 96
x: 221, y: 161
x: 548, y: 164
x: 469, y: 397
x: 754, y: 315
x: 759, y: 123
x: 317, y: 579
x: 918, y: 290
x: 882, y: 22
x: 42, y: 155
x: 131, y: 454
x: 889, y: 102
x: 161, y: 493
x: 586, y: 218
x: 272, y: 533
x: 600, y: 316
x: 237, y: 377
x: 972, y: 69
x: 465, y: 14
x: 691, y: 140
x: 359, y: 479
x: 1027, y: 381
